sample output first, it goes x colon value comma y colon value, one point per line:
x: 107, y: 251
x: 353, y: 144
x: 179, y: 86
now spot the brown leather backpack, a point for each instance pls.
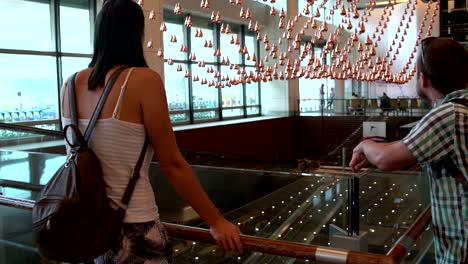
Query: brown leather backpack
x: 72, y: 218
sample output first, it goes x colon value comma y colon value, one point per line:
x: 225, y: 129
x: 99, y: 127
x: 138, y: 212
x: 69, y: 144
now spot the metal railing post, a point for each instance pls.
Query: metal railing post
x: 343, y: 157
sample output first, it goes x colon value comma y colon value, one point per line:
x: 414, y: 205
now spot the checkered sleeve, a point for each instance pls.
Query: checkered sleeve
x: 461, y: 139
x: 433, y: 136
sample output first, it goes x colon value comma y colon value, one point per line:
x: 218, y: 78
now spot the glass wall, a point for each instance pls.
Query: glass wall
x: 201, y: 64
x: 325, y: 12
x: 312, y: 97
x: 42, y: 42
x: 277, y: 4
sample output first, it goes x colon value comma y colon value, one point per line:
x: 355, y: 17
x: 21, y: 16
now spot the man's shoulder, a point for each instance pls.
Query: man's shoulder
x: 440, y: 116
x: 447, y: 109
x: 442, y: 109
x: 459, y: 100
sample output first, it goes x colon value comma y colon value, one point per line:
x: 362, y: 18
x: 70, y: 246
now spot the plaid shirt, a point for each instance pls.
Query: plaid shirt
x: 439, y: 142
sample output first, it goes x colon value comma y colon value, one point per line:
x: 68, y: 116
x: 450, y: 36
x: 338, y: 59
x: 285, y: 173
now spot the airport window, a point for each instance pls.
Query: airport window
x: 71, y: 65
x: 177, y: 38
x: 42, y: 42
x: 25, y: 84
x: 176, y: 93
x: 190, y: 99
x: 75, y: 26
x: 26, y: 25
x: 250, y: 43
x: 309, y: 88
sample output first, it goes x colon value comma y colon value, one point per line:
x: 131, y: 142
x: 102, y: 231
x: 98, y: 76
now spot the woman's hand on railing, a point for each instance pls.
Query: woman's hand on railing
x: 227, y: 235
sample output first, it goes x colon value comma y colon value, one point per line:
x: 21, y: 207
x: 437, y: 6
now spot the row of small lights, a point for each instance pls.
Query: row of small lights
x: 273, y: 207
x: 393, y: 211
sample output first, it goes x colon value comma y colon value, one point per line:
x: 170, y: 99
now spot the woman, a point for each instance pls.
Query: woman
x: 135, y: 108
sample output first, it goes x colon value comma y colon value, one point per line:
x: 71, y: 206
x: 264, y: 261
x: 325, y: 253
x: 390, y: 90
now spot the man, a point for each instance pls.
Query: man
x: 331, y: 98
x: 438, y: 142
x: 322, y: 96
x: 385, y: 103
x: 355, y: 105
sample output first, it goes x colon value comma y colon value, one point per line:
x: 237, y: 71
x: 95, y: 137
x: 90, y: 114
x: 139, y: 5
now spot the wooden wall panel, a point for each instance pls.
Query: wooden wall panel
x: 266, y: 140
x: 276, y: 140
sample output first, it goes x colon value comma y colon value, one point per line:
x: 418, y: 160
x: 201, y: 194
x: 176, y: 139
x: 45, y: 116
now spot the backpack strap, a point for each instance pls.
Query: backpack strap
x: 100, y: 104
x: 72, y: 99
x: 76, y: 138
x: 135, y: 176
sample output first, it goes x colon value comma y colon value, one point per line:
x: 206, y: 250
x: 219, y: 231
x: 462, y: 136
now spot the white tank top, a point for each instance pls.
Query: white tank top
x: 118, y: 145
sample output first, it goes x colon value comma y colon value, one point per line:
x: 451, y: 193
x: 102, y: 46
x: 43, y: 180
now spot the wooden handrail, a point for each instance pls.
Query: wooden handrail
x: 401, y: 247
x: 250, y: 243
x: 282, y: 248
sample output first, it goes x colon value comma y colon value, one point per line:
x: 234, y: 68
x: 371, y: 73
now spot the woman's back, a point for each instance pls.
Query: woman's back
x: 129, y: 109
x: 117, y: 139
x: 134, y: 110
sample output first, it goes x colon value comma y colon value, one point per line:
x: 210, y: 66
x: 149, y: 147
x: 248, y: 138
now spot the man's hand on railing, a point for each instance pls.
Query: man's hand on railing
x: 227, y: 235
x: 359, y: 160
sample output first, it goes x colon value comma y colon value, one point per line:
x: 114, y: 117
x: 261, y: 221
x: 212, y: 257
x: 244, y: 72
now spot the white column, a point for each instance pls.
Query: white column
x: 293, y: 85
x: 153, y: 34
x: 339, y: 96
x: 275, y: 94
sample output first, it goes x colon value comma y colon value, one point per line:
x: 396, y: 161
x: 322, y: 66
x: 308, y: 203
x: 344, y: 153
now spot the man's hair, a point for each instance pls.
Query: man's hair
x: 445, y: 64
x: 118, y: 39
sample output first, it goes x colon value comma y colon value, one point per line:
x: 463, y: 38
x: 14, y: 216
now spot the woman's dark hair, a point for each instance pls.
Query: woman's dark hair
x: 118, y: 39
x: 445, y: 63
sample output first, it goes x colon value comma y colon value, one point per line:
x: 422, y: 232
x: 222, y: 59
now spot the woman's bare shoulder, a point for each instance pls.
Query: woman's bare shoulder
x: 145, y: 80
x: 146, y: 74
x: 80, y: 76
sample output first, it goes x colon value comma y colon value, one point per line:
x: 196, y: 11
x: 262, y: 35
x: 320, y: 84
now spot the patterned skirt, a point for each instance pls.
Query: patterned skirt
x: 141, y: 243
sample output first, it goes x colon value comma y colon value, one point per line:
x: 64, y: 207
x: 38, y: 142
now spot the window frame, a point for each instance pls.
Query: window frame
x: 172, y: 18
x: 57, y: 53
x: 54, y: 6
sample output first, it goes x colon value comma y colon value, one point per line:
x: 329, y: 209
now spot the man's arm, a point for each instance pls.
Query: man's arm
x: 385, y: 156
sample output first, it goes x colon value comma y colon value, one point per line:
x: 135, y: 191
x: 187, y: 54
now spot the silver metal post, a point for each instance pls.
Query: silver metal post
x: 343, y: 157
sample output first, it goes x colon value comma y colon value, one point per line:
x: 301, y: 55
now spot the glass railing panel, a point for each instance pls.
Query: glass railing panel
x: 363, y: 106
x: 29, y: 170
x: 295, y: 209
x: 229, y: 189
x: 16, y: 245
x: 274, y: 205
x: 16, y: 192
x: 423, y: 249
x: 31, y: 138
x: 301, y: 212
x: 389, y: 205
